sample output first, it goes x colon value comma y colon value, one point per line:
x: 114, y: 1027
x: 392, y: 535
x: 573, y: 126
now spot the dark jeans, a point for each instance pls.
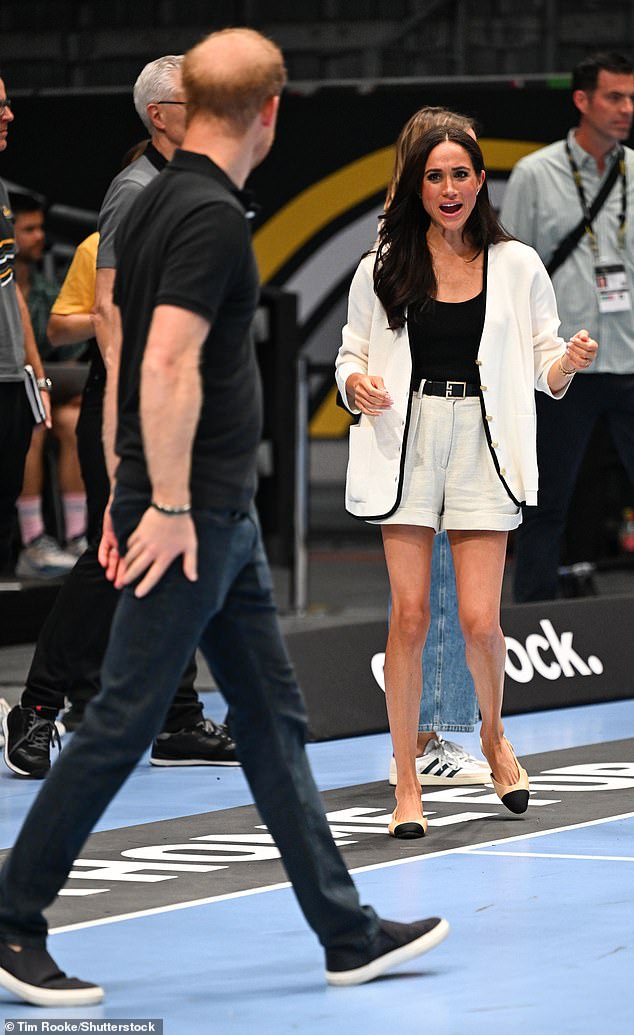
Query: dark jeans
x: 230, y: 612
x: 16, y: 428
x: 563, y: 432
x: 73, y: 639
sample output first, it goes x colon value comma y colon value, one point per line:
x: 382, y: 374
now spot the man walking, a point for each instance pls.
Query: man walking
x: 189, y: 413
x: 573, y: 201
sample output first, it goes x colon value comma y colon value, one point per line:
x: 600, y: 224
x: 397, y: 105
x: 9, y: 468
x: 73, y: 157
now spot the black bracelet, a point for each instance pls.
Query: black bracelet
x: 171, y: 511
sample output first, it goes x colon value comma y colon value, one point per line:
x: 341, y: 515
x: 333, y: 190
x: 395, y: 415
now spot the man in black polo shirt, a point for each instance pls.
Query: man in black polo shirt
x: 193, y: 569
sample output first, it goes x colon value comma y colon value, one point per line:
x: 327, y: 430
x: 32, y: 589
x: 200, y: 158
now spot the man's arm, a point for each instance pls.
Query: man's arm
x: 107, y: 330
x: 31, y: 353
x: 518, y: 213
x: 170, y: 401
x: 69, y: 328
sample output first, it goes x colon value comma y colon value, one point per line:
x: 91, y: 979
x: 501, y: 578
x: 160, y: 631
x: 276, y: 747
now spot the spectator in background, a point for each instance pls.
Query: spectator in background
x: 17, y: 347
x: 41, y: 555
x: 549, y: 194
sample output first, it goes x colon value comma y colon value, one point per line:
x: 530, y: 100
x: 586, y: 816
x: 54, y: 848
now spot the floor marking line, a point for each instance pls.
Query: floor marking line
x: 556, y: 855
x: 460, y: 850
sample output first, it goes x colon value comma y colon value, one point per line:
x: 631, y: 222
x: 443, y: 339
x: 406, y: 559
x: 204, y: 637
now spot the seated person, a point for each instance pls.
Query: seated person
x: 42, y: 556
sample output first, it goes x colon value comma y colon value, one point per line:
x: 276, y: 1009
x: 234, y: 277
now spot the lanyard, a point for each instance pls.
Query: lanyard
x: 576, y: 175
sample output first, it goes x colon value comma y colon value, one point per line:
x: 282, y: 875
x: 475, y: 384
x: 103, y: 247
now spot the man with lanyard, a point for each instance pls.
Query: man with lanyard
x: 573, y: 201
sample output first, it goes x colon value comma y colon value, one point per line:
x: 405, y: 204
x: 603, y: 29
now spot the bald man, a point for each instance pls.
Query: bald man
x: 186, y: 548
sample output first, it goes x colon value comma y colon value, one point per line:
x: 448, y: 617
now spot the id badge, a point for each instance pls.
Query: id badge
x: 612, y: 288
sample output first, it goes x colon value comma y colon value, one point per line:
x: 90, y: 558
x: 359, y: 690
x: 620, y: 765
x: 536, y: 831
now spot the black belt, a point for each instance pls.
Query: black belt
x: 451, y: 389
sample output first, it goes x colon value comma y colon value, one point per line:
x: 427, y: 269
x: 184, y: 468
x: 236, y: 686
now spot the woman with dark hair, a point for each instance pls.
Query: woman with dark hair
x: 451, y: 326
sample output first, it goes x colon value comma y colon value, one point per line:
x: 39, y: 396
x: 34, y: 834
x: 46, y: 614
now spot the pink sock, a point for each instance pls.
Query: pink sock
x: 74, y: 504
x: 30, y: 518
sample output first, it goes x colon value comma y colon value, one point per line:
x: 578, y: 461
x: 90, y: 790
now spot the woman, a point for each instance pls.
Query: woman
x: 448, y: 701
x: 451, y: 326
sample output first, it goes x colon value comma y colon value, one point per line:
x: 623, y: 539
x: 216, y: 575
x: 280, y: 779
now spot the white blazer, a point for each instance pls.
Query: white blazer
x: 518, y: 345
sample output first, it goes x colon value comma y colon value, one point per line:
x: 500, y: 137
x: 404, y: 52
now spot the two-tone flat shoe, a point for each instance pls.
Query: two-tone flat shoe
x: 514, y: 796
x: 408, y: 828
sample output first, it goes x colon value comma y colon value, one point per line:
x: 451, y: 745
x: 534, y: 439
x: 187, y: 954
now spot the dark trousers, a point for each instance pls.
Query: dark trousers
x: 73, y: 639
x: 563, y: 432
x: 16, y: 427
x: 230, y: 612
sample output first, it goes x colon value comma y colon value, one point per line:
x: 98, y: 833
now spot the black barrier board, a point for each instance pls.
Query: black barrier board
x: 201, y: 858
x: 559, y: 654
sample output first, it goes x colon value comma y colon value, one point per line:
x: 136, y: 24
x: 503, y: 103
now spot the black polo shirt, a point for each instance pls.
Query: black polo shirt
x: 186, y: 242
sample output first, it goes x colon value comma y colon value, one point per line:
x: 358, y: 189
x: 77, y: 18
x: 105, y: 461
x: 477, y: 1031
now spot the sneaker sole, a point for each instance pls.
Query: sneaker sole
x: 187, y: 761
x: 391, y: 959
x: 50, y: 996
x: 449, y: 781
x: 11, y: 765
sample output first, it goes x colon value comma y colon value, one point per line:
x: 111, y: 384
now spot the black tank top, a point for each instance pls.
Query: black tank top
x: 444, y: 339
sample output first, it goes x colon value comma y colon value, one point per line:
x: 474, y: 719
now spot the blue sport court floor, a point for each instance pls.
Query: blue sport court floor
x: 179, y: 904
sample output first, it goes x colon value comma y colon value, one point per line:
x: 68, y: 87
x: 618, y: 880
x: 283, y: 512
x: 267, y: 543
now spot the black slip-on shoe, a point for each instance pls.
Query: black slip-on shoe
x: 34, y: 977
x: 207, y: 743
x: 395, y: 943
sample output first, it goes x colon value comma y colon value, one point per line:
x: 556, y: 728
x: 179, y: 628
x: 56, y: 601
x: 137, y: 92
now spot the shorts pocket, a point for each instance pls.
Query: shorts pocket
x: 359, y: 460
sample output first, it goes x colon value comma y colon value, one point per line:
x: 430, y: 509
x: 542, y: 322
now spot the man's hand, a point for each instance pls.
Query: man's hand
x: 109, y: 557
x: 157, y: 541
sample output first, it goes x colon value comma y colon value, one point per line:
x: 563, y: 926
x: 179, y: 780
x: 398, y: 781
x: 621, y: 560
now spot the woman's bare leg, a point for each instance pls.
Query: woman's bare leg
x: 479, y: 562
x: 408, y: 557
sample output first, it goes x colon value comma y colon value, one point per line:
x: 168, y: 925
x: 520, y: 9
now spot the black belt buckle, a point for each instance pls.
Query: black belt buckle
x: 461, y: 392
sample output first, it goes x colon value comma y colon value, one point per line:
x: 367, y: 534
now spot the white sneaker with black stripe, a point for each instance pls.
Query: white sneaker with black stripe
x: 447, y: 764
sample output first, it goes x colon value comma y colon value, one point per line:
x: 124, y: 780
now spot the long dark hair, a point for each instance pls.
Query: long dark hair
x: 403, y: 269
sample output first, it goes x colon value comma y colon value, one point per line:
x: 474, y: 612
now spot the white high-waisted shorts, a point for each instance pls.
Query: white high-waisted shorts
x: 450, y: 481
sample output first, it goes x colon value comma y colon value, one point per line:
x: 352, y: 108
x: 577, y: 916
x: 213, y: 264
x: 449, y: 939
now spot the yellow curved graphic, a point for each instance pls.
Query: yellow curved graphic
x: 310, y: 211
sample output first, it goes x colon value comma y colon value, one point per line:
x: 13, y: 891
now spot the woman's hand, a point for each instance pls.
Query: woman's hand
x: 581, y: 351
x: 366, y: 392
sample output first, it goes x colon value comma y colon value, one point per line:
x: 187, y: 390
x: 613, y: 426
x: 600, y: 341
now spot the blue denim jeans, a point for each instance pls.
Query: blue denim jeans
x: 449, y: 700
x: 230, y: 613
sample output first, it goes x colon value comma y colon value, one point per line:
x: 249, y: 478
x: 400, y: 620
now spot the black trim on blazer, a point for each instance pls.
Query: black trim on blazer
x: 487, y: 432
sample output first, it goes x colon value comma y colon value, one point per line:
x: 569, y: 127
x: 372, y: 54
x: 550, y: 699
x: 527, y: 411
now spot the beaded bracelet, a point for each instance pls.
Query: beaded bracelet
x: 171, y: 511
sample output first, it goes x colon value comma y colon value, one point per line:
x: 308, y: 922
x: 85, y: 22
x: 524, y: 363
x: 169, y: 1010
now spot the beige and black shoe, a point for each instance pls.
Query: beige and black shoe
x: 514, y: 796
x: 407, y: 829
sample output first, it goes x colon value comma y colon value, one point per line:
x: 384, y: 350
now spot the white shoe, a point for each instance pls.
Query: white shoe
x: 43, y: 558
x: 446, y: 763
x: 77, y: 546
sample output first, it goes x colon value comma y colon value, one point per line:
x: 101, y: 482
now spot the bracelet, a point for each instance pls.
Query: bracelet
x: 44, y: 384
x: 163, y: 508
x: 566, y: 373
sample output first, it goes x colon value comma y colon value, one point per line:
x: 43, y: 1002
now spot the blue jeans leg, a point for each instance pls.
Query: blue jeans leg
x: 449, y: 700
x: 243, y: 645
x: 151, y: 641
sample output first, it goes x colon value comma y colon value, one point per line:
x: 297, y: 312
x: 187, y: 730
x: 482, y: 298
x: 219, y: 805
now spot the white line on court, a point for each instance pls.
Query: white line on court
x: 555, y: 855
x: 461, y: 850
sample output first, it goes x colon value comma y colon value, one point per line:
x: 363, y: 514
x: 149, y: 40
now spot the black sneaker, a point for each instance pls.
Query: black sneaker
x: 203, y: 744
x: 394, y: 944
x: 27, y: 742
x: 34, y: 977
